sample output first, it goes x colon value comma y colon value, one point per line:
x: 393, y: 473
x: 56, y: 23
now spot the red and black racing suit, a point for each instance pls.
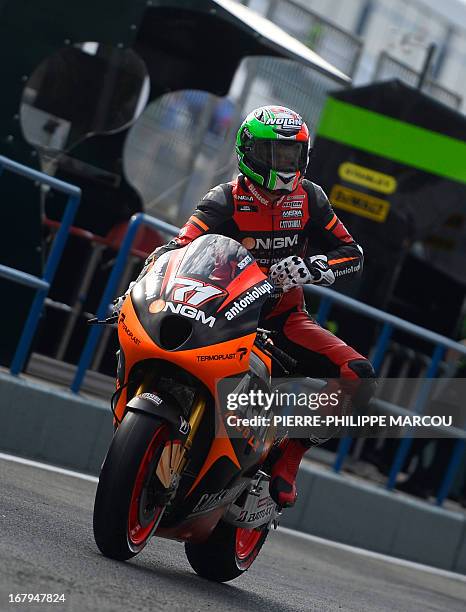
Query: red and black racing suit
x: 301, y: 223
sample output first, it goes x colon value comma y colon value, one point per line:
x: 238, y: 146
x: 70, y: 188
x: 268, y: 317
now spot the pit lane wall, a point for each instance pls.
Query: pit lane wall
x: 71, y: 431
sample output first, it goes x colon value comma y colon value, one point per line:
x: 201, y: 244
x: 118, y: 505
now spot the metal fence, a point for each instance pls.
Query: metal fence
x: 388, y: 67
x: 340, y: 48
x: 42, y: 285
x: 184, y: 143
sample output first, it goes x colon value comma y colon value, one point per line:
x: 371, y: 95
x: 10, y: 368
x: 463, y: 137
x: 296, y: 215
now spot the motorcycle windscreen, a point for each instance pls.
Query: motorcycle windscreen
x: 208, y: 292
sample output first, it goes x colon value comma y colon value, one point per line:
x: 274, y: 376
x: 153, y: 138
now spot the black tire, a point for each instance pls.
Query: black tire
x: 128, y: 459
x: 217, y: 558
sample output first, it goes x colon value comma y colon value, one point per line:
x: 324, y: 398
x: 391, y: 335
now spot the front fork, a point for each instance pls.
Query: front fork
x: 176, y: 451
x: 175, y: 454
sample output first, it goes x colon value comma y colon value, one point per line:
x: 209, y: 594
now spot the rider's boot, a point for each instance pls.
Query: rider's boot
x: 282, y: 484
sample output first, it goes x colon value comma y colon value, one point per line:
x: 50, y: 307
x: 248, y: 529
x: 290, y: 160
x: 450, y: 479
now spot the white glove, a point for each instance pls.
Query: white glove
x: 320, y: 271
x: 290, y: 273
x: 294, y: 271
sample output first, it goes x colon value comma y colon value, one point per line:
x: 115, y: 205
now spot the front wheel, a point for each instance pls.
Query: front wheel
x: 126, y: 511
x: 227, y: 553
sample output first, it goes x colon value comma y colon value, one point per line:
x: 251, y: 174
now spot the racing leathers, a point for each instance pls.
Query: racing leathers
x: 299, y: 223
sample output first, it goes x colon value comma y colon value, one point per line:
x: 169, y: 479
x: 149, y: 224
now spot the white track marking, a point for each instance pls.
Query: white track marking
x: 373, y: 555
x: 49, y: 468
x: 291, y: 532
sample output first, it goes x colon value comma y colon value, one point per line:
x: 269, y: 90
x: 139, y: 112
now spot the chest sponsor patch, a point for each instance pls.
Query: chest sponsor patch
x: 244, y: 198
x: 246, y: 208
x: 279, y: 242
x: 258, y: 196
x: 292, y: 204
x: 290, y: 224
x: 292, y: 213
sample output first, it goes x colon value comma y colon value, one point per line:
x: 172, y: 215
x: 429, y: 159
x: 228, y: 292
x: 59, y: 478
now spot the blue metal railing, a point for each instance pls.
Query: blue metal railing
x: 392, y: 322
x: 135, y: 223
x: 41, y: 284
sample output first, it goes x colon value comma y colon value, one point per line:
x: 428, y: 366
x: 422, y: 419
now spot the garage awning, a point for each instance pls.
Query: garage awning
x: 279, y: 41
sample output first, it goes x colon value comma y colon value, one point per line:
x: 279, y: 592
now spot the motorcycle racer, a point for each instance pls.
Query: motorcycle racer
x: 289, y: 226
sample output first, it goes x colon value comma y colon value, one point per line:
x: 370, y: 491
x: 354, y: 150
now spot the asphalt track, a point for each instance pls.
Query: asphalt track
x: 46, y: 546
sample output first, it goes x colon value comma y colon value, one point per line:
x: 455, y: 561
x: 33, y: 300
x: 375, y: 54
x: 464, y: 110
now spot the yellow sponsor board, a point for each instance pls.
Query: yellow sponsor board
x: 360, y: 175
x: 359, y: 203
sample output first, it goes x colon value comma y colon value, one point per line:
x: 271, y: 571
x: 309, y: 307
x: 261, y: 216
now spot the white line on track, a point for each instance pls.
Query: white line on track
x: 49, y: 468
x: 297, y: 534
x: 373, y: 555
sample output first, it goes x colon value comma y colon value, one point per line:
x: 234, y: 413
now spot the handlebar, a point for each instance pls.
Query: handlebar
x: 108, y: 321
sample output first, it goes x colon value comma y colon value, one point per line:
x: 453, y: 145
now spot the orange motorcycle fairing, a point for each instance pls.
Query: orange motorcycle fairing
x: 193, y: 320
x: 137, y: 346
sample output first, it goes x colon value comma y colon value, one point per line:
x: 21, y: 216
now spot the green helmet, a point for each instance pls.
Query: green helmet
x: 273, y: 146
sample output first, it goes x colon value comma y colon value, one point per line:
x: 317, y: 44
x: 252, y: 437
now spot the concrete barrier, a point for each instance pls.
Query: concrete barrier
x: 52, y: 425
x: 59, y: 427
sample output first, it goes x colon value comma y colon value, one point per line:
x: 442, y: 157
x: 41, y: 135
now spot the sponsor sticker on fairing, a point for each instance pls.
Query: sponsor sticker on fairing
x: 244, y: 262
x: 190, y: 312
x: 249, y: 298
x: 155, y: 399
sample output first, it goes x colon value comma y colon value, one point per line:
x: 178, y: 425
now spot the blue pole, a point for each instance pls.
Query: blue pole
x: 107, y: 297
x: 40, y: 177
x: 109, y: 292
x: 53, y: 259
x: 455, y: 462
x: 381, y: 346
x: 324, y: 309
x: 61, y: 238
x: 22, y: 278
x: 406, y: 442
x: 379, y: 353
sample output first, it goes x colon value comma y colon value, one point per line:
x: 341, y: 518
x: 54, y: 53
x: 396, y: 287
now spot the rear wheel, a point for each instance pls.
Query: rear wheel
x: 227, y: 553
x: 126, y: 510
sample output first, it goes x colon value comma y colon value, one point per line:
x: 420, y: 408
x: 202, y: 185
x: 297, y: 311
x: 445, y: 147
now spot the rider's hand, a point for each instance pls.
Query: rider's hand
x: 320, y: 271
x: 290, y: 273
x: 294, y: 271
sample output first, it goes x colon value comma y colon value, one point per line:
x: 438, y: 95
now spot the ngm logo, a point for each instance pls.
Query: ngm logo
x: 279, y: 242
x: 190, y: 312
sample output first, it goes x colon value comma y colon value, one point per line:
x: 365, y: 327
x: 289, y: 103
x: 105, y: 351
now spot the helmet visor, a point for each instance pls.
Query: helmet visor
x: 279, y: 155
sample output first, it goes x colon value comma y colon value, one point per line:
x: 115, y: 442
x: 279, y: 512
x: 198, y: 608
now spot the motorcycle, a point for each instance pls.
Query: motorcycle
x: 175, y: 468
